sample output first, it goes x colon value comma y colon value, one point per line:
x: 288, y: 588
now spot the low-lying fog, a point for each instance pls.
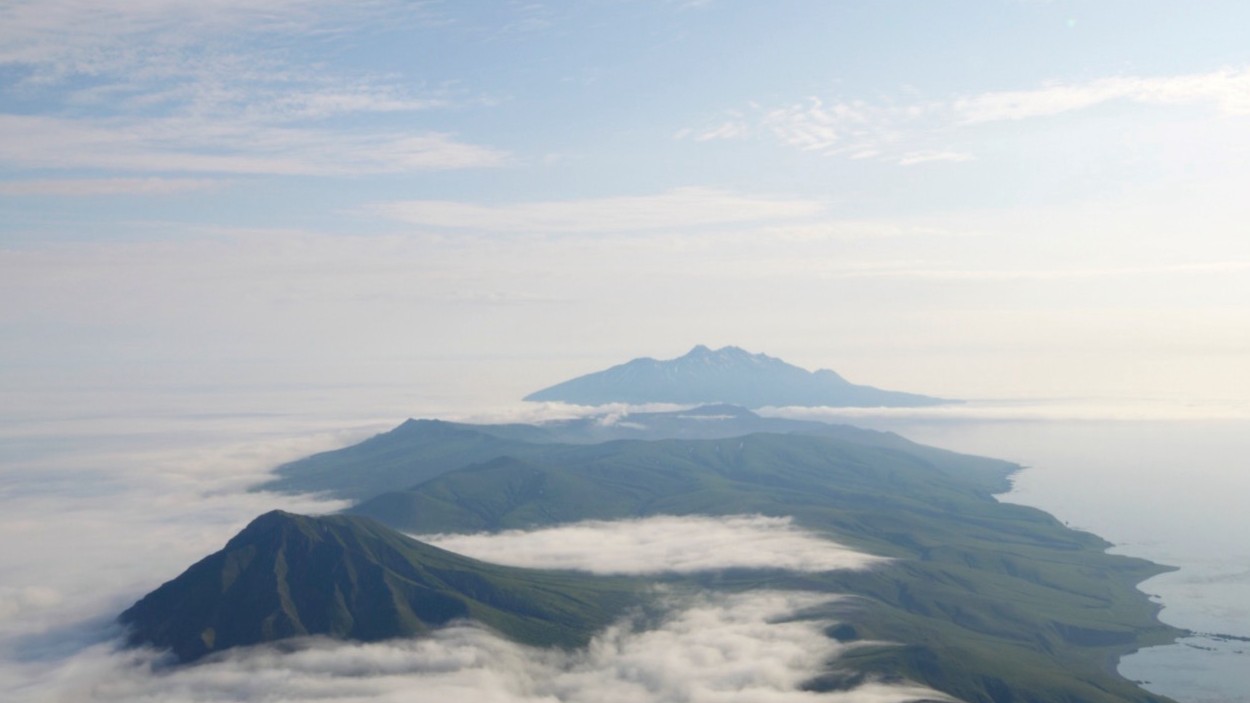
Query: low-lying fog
x: 93, y: 515
x: 662, y: 544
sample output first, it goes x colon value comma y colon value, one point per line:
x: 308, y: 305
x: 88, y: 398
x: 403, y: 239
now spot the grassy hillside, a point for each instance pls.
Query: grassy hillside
x: 995, y: 602
x: 289, y: 575
x: 419, y: 450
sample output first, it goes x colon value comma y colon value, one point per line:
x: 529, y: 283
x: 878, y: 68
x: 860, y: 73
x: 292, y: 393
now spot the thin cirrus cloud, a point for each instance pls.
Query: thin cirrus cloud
x: 1228, y: 90
x: 108, y: 186
x: 182, y: 145
x: 172, y: 87
x: 902, y: 131
x: 950, y: 274
x: 930, y: 155
x: 55, y: 39
x: 679, y: 207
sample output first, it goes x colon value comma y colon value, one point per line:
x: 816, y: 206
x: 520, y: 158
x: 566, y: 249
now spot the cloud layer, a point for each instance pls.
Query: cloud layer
x: 710, y: 649
x: 98, y: 510
x: 663, y: 544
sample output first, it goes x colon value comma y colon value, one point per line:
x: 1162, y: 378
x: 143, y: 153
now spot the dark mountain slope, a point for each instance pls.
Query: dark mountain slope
x: 288, y: 575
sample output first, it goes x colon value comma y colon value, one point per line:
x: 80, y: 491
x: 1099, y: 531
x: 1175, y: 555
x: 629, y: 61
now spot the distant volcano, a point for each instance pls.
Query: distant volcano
x: 725, y: 375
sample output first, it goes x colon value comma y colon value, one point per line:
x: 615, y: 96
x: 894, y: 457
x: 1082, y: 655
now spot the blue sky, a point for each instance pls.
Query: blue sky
x: 999, y: 198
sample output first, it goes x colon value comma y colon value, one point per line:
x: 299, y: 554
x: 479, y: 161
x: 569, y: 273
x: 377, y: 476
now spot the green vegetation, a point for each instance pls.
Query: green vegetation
x: 419, y: 450
x: 413, y: 452
x: 994, y: 601
x: 986, y: 601
x: 289, y: 575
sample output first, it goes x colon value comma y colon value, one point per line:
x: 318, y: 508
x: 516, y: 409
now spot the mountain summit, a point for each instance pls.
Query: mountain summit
x: 349, y: 577
x: 725, y: 375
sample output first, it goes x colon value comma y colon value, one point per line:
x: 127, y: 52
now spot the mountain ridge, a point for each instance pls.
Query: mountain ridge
x: 350, y: 577
x: 726, y: 375
x: 991, y: 601
x: 420, y: 450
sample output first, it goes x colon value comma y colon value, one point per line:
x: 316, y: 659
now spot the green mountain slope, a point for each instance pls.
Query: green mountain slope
x: 412, y: 452
x: 289, y: 575
x: 995, y: 602
x: 992, y: 602
x: 418, y: 450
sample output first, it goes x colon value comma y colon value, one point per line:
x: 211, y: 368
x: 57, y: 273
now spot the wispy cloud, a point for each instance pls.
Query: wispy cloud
x: 57, y: 39
x: 680, y: 207
x: 108, y: 186
x: 915, y: 132
x: 194, y: 145
x: 736, y: 128
x: 167, y: 86
x: 662, y: 544
x: 855, y: 128
x: 928, y: 156
x: 904, y: 269
x: 1228, y: 90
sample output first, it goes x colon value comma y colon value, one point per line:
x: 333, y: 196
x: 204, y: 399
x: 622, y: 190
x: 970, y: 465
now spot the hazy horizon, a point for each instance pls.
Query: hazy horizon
x: 233, y: 234
x: 1002, y: 200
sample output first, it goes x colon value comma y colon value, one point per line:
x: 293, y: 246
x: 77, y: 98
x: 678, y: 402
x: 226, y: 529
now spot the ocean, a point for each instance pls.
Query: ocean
x: 1172, y: 491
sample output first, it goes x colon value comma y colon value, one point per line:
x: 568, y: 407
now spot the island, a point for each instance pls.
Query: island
x: 726, y: 375
x: 984, y: 601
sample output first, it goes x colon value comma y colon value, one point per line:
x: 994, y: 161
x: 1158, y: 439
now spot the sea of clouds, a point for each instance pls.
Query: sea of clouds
x: 713, y: 648
x: 96, y: 512
x: 661, y: 544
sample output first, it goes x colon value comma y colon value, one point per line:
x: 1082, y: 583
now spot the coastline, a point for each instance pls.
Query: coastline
x: 1097, y: 467
x: 225, y: 436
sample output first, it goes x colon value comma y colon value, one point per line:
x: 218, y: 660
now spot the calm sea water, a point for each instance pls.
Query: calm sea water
x: 1174, y: 492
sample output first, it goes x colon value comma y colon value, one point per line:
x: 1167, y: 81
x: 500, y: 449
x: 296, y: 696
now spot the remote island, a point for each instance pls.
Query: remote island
x: 970, y: 598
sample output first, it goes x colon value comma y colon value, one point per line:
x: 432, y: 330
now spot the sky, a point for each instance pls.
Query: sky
x: 234, y: 233
x: 995, y: 199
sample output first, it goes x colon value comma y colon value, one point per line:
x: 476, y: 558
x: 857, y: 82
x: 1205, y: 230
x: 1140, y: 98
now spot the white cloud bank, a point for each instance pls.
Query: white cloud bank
x: 229, y: 144
x: 94, y: 512
x: 710, y: 649
x: 662, y: 544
